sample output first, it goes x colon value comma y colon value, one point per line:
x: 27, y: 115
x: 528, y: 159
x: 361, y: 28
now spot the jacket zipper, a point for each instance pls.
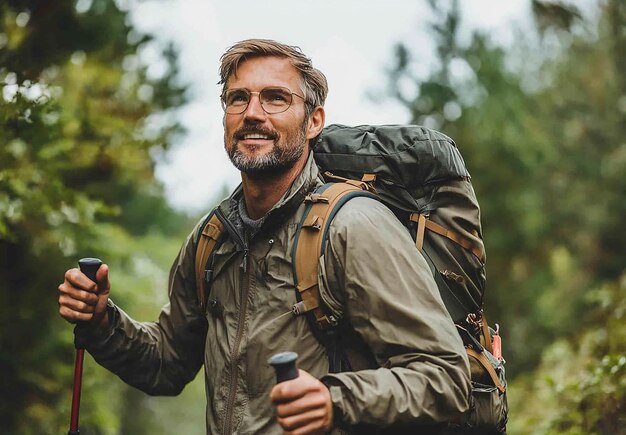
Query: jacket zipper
x: 234, y: 356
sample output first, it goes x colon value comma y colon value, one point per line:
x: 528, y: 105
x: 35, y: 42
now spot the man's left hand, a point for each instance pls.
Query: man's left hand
x: 303, y: 405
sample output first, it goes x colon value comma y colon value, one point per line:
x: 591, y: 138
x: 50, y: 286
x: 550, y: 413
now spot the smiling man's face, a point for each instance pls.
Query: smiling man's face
x: 259, y: 143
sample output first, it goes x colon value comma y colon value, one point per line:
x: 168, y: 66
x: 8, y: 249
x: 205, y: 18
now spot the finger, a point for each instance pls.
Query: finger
x: 66, y: 289
x: 294, y: 388
x: 286, y: 393
x: 302, y: 405
x: 76, y: 305
x: 74, y: 316
x: 295, y: 421
x: 79, y: 280
x: 102, y: 279
x: 313, y: 418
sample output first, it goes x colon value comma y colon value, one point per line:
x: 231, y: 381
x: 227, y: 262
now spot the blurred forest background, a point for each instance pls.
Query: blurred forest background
x: 541, y: 127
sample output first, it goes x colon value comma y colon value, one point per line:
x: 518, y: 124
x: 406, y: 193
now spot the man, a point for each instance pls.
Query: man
x: 408, y: 364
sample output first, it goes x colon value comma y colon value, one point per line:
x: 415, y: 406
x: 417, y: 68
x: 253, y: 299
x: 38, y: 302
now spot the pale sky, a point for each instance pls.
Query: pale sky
x: 350, y: 41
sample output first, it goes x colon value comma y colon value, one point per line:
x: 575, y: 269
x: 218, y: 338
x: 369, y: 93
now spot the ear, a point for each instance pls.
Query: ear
x: 316, y: 122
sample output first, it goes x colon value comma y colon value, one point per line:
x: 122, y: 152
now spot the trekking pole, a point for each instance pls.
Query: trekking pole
x: 285, y: 365
x: 88, y: 266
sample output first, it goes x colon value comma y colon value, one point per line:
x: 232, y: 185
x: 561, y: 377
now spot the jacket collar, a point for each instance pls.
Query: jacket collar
x: 306, y: 181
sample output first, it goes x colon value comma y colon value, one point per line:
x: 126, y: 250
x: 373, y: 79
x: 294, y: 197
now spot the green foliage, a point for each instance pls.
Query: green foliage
x: 77, y: 131
x: 580, y: 385
x: 542, y: 132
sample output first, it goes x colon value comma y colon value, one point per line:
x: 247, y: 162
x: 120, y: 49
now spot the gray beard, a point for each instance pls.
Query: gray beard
x: 277, y: 162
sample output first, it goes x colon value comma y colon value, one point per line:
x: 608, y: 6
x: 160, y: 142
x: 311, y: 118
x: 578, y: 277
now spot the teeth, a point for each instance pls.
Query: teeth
x: 255, y: 136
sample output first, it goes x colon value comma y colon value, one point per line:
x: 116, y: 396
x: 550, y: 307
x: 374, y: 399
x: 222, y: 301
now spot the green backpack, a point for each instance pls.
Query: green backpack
x: 420, y: 175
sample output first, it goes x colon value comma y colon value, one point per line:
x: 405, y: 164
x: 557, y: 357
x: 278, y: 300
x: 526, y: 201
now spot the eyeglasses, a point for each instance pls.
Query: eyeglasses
x: 273, y: 100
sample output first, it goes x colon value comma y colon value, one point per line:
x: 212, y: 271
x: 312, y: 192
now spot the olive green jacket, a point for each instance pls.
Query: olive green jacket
x: 410, y: 367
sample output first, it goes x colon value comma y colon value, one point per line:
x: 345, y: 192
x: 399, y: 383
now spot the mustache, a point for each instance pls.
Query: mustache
x: 239, y: 134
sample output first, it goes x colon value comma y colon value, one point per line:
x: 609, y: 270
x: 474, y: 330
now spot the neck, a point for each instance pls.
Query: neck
x: 262, y: 193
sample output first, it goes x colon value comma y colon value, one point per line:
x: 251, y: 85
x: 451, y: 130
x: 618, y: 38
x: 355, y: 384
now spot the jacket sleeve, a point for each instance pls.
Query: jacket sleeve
x: 373, y: 276
x: 161, y: 357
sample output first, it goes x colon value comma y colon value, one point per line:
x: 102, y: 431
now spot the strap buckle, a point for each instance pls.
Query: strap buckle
x: 315, y: 197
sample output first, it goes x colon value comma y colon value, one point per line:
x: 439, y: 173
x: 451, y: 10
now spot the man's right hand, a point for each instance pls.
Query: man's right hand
x: 82, y: 300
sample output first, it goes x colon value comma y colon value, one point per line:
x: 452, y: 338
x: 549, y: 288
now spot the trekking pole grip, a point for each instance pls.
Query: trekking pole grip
x: 89, y: 266
x: 285, y: 365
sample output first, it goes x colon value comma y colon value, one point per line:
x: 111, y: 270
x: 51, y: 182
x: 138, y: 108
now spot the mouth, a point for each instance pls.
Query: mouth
x: 254, y: 135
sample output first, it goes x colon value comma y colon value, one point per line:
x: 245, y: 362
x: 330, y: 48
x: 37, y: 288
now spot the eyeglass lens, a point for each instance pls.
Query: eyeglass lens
x: 273, y: 100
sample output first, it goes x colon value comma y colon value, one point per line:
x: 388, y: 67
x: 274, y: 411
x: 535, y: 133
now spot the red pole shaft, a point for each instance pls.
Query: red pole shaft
x: 78, y: 375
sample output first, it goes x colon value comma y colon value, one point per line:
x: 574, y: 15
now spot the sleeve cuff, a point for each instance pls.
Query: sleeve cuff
x: 84, y: 335
x: 337, y: 399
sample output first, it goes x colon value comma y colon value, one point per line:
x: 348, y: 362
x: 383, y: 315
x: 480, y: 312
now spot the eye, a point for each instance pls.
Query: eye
x: 237, y: 97
x: 276, y: 96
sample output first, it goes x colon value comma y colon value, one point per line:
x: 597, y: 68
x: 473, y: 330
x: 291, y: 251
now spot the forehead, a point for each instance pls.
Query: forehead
x: 260, y: 72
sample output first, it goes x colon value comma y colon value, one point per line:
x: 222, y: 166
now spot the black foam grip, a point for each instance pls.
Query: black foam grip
x: 89, y: 266
x: 285, y: 365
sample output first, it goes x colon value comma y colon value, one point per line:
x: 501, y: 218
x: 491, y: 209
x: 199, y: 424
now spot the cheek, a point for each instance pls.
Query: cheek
x: 290, y: 124
x: 230, y: 126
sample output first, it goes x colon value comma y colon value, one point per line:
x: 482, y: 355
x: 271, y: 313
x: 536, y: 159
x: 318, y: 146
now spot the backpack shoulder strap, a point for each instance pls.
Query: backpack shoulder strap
x: 310, y: 242
x: 210, y: 235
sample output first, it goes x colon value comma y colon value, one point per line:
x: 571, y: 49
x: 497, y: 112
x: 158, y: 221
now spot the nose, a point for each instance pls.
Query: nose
x: 254, y: 111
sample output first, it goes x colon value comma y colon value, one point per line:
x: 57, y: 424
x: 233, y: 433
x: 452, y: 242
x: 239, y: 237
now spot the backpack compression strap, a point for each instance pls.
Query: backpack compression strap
x: 322, y: 205
x: 423, y: 222
x: 211, y: 233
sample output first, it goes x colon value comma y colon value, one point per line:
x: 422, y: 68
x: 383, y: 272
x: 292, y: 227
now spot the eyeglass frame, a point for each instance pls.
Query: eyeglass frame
x: 250, y: 93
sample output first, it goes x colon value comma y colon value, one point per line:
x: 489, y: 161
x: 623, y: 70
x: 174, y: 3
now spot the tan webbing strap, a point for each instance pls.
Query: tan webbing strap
x: 482, y: 359
x: 332, y: 176
x: 315, y: 197
x: 309, y: 246
x: 309, y: 292
x: 457, y: 238
x: 211, y: 233
x: 452, y: 235
x: 486, y: 336
x: 368, y: 178
x: 313, y: 221
x: 421, y: 226
x: 362, y: 184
